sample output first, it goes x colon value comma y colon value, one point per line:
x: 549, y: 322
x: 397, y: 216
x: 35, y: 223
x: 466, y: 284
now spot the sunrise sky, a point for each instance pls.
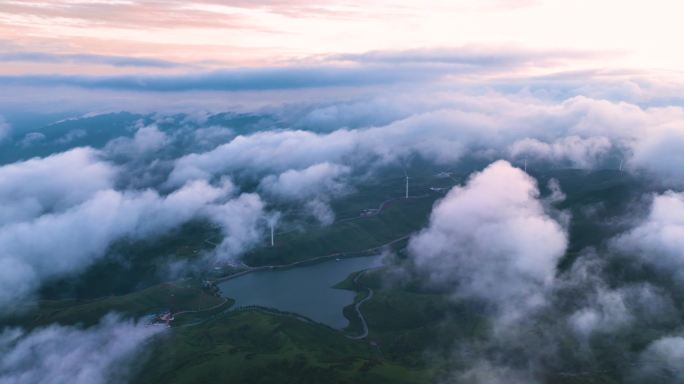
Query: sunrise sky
x: 52, y: 36
x: 239, y: 45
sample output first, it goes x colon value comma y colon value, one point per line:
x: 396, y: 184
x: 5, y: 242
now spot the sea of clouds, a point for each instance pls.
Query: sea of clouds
x: 494, y: 239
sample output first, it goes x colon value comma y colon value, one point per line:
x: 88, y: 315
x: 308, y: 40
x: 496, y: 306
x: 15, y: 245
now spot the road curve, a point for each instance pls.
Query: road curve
x: 357, y: 308
x: 225, y: 300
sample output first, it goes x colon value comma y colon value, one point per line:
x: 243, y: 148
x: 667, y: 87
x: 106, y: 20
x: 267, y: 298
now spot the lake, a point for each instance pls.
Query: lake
x: 306, y: 290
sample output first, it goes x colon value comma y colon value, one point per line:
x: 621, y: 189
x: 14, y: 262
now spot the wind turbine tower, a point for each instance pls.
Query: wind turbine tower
x: 272, y: 221
x: 272, y: 233
x: 408, y: 162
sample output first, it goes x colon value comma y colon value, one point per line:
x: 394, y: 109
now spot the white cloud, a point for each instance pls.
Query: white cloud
x: 618, y: 310
x: 659, y: 239
x: 321, y: 211
x: 265, y: 151
x: 32, y: 138
x: 660, y: 151
x: 72, y: 135
x: 582, y: 311
x: 377, y: 111
x: 56, y: 244
x: 577, y: 151
x: 483, y: 238
x: 240, y: 220
x: 661, y: 362
x: 316, y: 180
x: 147, y: 139
x: 313, y: 186
x: 54, y: 183
x: 65, y: 354
x: 209, y: 137
x: 579, y: 131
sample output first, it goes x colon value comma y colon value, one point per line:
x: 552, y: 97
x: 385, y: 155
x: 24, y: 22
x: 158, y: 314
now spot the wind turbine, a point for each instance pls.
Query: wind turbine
x: 621, y: 161
x: 408, y: 162
x: 272, y: 221
x: 272, y: 234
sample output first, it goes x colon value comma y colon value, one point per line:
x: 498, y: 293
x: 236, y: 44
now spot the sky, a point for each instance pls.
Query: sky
x: 140, y: 36
x: 83, y: 56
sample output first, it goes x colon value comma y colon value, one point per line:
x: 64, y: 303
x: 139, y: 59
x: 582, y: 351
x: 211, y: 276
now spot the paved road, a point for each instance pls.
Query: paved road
x: 225, y: 300
x: 381, y: 207
x: 357, y: 307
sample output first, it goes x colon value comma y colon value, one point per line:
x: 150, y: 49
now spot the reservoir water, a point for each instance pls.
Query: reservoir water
x: 306, y: 290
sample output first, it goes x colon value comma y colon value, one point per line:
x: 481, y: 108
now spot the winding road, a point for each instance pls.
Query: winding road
x: 357, y: 307
x: 225, y: 300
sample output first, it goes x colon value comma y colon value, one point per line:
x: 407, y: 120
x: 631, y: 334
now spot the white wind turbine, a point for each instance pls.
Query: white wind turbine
x: 272, y: 221
x: 272, y: 234
x: 408, y: 162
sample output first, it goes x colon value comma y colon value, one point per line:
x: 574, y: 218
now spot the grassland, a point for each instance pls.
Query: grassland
x: 253, y: 347
x: 175, y: 296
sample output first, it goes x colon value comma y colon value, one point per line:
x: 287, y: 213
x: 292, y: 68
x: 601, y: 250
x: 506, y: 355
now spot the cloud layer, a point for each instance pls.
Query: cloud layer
x: 61, y: 213
x: 30, y: 188
x: 244, y: 79
x: 483, y: 239
x: 60, y: 354
x: 658, y: 240
x: 579, y: 132
x: 56, y: 244
x: 494, y: 240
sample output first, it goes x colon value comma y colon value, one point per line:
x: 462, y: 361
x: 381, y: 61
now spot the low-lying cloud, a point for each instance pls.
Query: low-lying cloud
x: 54, y: 244
x: 658, y: 240
x: 241, y: 220
x: 572, y: 150
x: 69, y: 354
x: 579, y: 132
x: 52, y: 184
x: 661, y: 361
x: 495, y: 240
x: 299, y: 185
x: 483, y: 239
x: 147, y: 139
x: 313, y: 187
